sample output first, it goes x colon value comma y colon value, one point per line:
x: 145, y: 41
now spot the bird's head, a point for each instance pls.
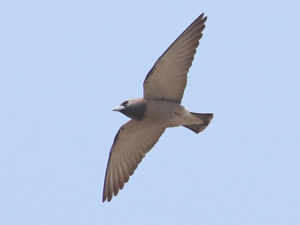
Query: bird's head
x: 133, y: 108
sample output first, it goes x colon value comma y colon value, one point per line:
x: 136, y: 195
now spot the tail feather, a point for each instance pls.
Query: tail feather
x: 197, y: 128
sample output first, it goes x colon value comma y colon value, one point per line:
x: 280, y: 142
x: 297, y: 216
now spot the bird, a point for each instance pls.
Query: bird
x: 159, y: 109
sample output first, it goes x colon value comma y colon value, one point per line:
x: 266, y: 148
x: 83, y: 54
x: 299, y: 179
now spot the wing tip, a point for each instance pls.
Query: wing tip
x: 203, y: 19
x: 106, y: 196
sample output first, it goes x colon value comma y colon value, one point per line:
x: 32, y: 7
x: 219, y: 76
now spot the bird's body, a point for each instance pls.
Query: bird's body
x: 159, y: 109
x: 165, y: 113
x: 169, y: 114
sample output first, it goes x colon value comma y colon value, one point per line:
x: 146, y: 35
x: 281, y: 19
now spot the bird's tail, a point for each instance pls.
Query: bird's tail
x: 197, y: 128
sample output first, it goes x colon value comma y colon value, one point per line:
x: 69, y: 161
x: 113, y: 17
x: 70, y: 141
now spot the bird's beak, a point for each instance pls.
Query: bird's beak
x: 118, y: 108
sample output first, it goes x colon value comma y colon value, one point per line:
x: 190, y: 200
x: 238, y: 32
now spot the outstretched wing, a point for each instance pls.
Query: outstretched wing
x: 133, y: 140
x: 168, y: 77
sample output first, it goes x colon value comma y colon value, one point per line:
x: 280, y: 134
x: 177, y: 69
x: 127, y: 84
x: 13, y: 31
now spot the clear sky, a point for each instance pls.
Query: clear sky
x: 65, y: 64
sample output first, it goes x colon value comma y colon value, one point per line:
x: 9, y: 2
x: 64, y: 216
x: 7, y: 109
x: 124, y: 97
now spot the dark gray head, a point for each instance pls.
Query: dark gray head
x: 133, y: 108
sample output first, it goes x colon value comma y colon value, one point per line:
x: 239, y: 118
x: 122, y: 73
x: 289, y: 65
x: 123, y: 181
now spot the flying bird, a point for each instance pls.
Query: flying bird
x: 159, y: 109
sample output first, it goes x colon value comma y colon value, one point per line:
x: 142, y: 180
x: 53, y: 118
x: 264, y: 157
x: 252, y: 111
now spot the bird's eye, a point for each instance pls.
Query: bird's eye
x: 126, y: 102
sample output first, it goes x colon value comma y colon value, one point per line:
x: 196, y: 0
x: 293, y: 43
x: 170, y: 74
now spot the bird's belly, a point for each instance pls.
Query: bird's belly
x: 170, y: 114
x: 178, y: 118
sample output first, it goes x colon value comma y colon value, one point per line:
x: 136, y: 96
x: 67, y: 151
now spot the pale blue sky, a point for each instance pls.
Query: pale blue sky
x: 65, y: 64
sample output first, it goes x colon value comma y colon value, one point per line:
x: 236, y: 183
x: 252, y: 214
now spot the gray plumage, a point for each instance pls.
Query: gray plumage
x: 159, y: 109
